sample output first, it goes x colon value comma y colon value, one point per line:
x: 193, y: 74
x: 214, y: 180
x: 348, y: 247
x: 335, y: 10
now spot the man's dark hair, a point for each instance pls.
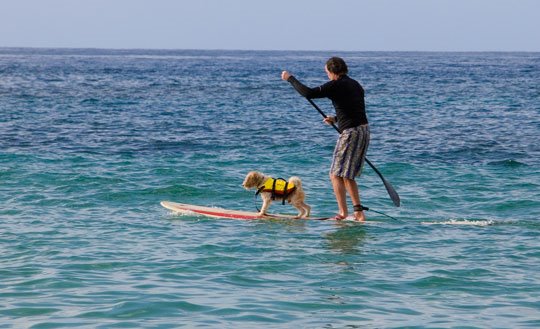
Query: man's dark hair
x: 337, y: 66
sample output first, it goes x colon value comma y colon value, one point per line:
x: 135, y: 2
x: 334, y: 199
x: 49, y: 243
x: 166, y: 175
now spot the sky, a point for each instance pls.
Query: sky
x: 345, y: 25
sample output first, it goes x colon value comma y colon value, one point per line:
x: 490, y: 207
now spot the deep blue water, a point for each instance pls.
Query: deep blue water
x: 92, y: 140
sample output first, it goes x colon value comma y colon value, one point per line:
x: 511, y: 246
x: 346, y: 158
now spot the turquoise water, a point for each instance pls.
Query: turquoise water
x: 92, y: 140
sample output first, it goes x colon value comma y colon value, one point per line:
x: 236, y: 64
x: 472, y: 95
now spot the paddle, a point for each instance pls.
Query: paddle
x: 389, y: 188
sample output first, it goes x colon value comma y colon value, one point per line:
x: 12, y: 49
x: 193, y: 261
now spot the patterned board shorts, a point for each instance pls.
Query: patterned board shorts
x: 350, y: 152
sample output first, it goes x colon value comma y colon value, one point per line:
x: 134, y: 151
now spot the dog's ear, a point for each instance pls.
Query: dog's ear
x: 258, y: 178
x: 249, y: 180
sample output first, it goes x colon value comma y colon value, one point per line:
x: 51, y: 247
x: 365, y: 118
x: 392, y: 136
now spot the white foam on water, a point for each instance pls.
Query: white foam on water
x: 463, y: 222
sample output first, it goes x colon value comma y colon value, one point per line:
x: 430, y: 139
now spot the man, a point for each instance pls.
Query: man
x: 347, y: 96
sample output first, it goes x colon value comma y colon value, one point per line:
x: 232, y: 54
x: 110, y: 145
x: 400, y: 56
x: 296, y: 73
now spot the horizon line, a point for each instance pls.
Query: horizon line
x: 263, y: 50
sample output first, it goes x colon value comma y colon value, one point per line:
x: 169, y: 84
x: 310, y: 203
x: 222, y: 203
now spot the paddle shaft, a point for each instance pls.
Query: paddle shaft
x: 389, y: 188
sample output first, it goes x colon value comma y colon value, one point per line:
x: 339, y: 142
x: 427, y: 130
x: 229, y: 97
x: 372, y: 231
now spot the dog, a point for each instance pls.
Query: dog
x: 271, y: 189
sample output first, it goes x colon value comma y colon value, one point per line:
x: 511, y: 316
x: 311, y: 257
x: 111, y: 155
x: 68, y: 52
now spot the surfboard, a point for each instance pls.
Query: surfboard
x: 189, y: 209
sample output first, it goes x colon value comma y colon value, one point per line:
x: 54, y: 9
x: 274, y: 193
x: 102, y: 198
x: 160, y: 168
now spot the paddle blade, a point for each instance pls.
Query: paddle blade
x: 389, y: 188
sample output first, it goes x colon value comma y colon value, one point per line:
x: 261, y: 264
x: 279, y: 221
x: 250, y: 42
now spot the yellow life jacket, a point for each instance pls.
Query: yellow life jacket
x: 278, y: 187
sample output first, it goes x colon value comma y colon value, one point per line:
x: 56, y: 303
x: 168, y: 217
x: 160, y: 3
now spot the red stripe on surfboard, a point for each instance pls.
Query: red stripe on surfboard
x: 223, y: 214
x: 248, y: 217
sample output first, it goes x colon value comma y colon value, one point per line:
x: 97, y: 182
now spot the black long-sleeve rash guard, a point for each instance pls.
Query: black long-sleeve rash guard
x: 347, y: 96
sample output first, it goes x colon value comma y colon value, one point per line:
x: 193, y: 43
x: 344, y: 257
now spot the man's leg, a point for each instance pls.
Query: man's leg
x: 340, y: 193
x: 352, y: 189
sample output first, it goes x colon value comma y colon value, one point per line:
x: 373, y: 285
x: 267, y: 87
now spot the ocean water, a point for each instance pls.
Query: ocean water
x: 92, y: 140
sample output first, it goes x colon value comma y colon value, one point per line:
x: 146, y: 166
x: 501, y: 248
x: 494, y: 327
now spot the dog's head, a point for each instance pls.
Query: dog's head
x: 253, y: 179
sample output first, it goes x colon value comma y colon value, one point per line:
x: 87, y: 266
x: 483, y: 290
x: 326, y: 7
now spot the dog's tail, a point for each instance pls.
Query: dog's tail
x: 296, y: 181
